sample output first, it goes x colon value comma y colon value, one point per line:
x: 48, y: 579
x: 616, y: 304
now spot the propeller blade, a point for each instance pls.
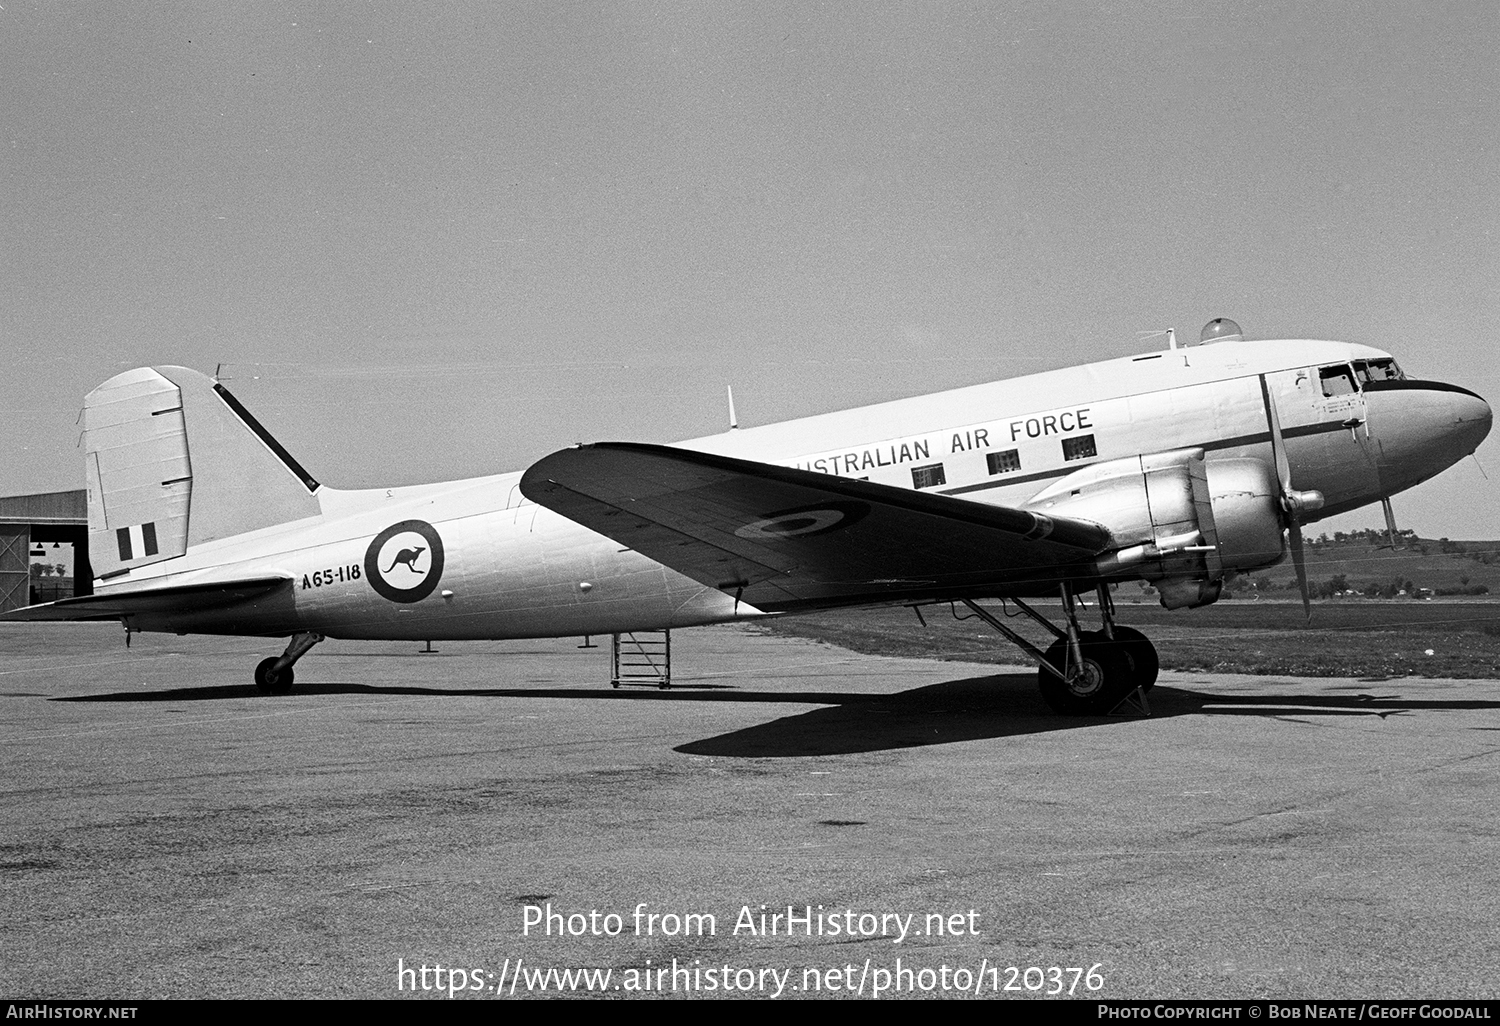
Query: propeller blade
x: 1293, y: 502
x: 1278, y: 444
x: 1294, y: 539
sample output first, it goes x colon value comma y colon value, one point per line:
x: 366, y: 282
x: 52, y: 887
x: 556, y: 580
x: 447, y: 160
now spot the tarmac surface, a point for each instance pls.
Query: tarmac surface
x: 167, y: 831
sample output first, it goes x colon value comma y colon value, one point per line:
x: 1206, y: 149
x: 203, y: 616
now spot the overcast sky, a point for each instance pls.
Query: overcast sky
x: 438, y: 240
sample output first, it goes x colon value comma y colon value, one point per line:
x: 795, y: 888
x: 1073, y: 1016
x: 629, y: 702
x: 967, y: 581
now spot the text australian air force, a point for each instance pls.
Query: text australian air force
x: 989, y: 436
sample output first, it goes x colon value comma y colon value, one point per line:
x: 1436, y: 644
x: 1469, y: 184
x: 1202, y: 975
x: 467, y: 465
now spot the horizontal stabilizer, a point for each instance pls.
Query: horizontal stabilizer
x: 780, y: 538
x: 170, y: 599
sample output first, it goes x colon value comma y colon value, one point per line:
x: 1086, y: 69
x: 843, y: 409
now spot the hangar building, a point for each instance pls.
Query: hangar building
x: 44, y: 518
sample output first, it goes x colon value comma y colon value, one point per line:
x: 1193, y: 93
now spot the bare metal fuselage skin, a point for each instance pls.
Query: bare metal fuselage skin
x: 513, y: 569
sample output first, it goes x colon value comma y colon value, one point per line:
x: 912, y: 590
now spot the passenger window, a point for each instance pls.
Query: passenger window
x: 1004, y: 462
x: 1080, y: 448
x: 1337, y: 380
x: 928, y: 477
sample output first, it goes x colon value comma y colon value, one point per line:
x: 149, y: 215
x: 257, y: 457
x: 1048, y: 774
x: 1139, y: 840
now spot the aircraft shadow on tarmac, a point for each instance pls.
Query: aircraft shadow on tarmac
x: 969, y: 709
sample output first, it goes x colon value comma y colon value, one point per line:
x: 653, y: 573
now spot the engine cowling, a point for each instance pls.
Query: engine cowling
x: 1180, y: 521
x: 1247, y: 513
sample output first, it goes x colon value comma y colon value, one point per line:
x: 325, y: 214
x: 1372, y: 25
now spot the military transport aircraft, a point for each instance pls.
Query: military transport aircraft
x: 1178, y: 467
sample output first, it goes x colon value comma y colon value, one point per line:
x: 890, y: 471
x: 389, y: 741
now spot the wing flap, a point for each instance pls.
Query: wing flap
x: 170, y: 599
x: 782, y: 538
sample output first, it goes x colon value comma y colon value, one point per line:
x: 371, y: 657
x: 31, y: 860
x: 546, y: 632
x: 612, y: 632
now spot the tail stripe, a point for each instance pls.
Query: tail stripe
x: 125, y: 536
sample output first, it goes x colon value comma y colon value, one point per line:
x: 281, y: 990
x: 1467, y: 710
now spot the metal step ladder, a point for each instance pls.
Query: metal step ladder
x: 642, y: 659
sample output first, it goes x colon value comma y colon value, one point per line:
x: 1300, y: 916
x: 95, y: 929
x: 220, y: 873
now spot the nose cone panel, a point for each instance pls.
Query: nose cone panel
x: 1421, y: 428
x: 1473, y: 418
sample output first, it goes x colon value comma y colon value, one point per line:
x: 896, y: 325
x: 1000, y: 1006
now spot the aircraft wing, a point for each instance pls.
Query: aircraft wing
x: 782, y: 539
x: 170, y: 599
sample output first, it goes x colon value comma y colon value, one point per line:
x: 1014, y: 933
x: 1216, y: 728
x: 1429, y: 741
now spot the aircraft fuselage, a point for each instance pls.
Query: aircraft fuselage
x: 476, y: 559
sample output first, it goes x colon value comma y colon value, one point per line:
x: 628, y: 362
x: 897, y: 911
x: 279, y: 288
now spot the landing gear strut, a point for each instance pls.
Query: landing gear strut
x: 274, y: 674
x: 1086, y: 673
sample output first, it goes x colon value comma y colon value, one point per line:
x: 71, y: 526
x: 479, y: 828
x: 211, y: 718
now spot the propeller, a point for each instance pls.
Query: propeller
x: 1293, y: 503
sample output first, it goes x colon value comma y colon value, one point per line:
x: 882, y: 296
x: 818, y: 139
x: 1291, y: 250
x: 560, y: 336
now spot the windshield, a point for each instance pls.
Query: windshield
x: 1378, y: 370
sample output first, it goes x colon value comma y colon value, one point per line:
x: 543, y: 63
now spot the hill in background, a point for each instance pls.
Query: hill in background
x: 1362, y: 564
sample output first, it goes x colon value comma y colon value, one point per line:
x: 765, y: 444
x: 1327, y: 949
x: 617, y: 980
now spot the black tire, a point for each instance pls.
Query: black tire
x: 273, y: 683
x: 1142, y: 655
x: 1106, y: 678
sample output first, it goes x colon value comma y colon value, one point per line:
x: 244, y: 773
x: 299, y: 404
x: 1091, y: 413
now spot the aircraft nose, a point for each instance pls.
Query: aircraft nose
x: 1423, y: 427
x: 1466, y: 420
x: 1473, y: 419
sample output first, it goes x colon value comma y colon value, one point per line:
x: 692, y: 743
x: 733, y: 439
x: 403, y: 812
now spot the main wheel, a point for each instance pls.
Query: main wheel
x: 1142, y: 655
x: 270, y: 681
x: 1096, y: 687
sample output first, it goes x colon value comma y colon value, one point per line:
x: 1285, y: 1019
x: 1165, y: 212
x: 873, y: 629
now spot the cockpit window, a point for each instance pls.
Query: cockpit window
x: 1337, y: 380
x: 1377, y: 370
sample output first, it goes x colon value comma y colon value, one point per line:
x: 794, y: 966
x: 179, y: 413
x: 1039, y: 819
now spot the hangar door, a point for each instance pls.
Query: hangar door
x: 15, y: 566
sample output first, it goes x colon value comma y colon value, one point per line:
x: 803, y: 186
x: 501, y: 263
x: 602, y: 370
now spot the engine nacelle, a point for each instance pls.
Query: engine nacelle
x: 1178, y: 520
x: 1246, y: 501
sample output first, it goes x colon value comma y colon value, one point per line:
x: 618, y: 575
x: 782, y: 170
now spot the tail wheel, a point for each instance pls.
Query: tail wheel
x: 1092, y: 689
x: 271, y: 681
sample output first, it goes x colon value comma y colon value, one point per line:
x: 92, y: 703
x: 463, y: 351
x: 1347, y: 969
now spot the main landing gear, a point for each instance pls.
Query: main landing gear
x: 1086, y: 673
x: 274, y: 674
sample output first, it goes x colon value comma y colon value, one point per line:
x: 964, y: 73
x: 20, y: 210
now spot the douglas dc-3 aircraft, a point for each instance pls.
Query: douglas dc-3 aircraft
x: 1178, y: 467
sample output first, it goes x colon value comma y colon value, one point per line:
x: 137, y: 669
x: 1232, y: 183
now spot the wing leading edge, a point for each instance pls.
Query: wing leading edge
x: 782, y: 539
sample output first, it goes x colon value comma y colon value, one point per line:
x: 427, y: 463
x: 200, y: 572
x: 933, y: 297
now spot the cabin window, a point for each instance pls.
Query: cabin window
x: 1337, y: 380
x: 1004, y: 462
x: 1080, y: 448
x: 928, y: 477
x: 1377, y: 370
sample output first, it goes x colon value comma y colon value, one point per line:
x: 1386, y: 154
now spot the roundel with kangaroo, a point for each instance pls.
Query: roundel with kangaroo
x: 405, y: 561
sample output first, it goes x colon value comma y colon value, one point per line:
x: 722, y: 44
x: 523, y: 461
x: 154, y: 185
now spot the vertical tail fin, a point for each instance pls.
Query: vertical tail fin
x: 173, y: 460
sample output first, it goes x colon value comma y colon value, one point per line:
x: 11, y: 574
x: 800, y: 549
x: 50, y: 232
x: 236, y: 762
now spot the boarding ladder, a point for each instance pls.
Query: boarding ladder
x: 642, y: 658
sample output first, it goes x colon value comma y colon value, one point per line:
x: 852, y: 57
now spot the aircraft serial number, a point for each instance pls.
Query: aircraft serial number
x: 331, y: 575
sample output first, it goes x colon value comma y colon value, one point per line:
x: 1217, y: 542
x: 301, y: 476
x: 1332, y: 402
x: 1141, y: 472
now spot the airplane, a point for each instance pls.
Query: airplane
x: 1179, y: 467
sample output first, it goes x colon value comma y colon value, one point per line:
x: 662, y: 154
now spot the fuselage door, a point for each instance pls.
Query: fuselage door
x: 1338, y: 438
